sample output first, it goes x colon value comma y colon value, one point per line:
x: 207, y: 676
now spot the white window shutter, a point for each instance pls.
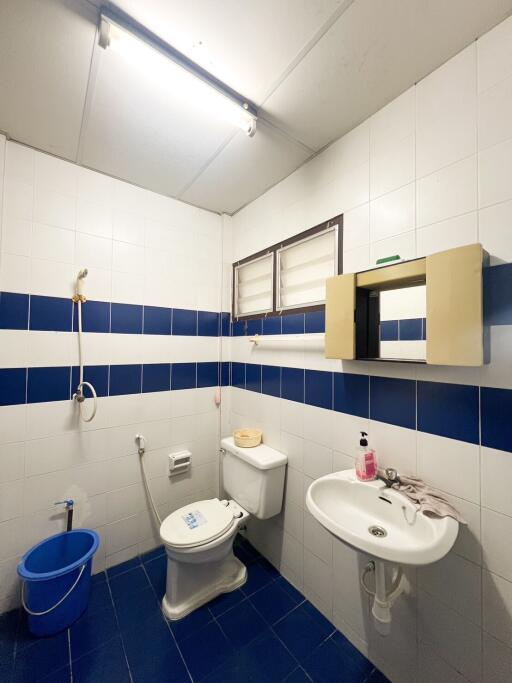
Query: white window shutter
x: 254, y: 283
x: 303, y: 267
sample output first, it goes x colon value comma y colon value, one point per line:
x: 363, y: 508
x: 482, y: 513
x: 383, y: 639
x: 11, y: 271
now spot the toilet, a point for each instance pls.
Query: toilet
x: 198, y: 538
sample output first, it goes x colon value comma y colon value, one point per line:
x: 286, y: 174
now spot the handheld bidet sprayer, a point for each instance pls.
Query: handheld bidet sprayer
x: 78, y: 396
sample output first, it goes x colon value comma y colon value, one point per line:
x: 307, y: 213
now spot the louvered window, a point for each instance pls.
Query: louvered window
x: 302, y: 268
x: 288, y: 276
x: 254, y: 282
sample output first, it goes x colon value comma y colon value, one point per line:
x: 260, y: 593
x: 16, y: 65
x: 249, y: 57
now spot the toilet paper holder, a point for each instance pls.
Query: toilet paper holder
x: 179, y: 462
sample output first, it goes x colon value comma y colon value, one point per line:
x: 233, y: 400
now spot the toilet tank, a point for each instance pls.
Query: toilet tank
x: 254, y: 477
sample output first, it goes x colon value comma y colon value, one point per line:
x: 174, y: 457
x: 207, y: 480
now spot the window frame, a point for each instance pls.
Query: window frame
x: 274, y: 249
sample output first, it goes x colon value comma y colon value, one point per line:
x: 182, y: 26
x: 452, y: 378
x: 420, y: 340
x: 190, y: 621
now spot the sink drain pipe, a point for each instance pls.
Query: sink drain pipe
x: 382, y: 599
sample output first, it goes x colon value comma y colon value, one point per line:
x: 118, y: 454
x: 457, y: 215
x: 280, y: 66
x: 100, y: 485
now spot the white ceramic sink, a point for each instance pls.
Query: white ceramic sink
x: 350, y: 509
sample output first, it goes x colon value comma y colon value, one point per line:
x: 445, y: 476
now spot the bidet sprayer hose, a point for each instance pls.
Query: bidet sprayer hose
x: 78, y: 396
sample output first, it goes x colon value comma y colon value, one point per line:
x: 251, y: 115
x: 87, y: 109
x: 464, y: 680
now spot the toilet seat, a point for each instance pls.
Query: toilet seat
x: 197, y: 524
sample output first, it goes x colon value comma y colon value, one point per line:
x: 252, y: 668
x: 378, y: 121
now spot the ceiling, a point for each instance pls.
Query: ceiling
x: 315, y: 69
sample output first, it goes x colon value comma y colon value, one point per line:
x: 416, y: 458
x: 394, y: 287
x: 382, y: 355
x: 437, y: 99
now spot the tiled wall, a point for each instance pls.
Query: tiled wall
x: 151, y: 348
x: 431, y: 171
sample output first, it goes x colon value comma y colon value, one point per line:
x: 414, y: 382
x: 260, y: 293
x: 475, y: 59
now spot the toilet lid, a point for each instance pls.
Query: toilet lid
x: 196, y: 523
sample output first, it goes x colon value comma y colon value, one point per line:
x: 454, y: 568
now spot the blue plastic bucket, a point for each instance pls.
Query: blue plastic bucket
x: 56, y: 575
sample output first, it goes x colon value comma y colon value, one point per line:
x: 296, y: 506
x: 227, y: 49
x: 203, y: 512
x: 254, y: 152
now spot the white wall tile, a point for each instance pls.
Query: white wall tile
x: 128, y: 258
x: 496, y: 474
x: 449, y: 192
x: 446, y: 113
x: 495, y: 174
x: 393, y: 169
x: 12, y: 461
x: 453, y: 638
x: 448, y: 234
x: 494, y: 233
x: 456, y: 583
x: 497, y: 661
x: 496, y: 553
x: 494, y: 55
x: 52, y: 243
x: 317, y: 460
x: 317, y: 539
x: 92, y: 251
x: 94, y: 217
x: 495, y: 114
x: 16, y: 235
x: 355, y: 260
x: 356, y: 227
x: 392, y: 214
x: 441, y: 461
x: 433, y: 669
x: 497, y: 607
x: 394, y: 446
x: 404, y: 245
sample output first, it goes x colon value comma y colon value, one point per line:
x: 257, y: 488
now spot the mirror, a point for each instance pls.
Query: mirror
x: 402, y: 329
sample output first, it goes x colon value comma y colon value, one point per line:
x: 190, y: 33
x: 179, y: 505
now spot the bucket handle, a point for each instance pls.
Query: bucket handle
x: 47, y: 611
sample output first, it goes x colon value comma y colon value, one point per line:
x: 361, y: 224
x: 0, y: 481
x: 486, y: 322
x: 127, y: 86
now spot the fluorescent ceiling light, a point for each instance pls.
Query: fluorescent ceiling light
x: 166, y: 65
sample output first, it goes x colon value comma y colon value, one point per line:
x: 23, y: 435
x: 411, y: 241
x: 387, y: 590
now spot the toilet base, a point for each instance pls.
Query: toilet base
x: 189, y: 586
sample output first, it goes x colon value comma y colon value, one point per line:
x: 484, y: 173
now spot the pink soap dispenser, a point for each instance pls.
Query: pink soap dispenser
x: 366, y: 460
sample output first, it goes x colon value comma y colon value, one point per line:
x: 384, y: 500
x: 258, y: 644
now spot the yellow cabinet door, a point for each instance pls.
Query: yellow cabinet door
x: 454, y: 307
x: 340, y: 327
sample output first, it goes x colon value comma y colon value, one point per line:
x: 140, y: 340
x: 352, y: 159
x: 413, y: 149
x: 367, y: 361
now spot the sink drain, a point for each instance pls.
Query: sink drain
x: 378, y: 531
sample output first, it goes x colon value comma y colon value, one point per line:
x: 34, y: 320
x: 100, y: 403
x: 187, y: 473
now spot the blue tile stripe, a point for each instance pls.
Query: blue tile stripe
x: 407, y: 329
x: 39, y: 385
x: 58, y: 314
x: 454, y: 411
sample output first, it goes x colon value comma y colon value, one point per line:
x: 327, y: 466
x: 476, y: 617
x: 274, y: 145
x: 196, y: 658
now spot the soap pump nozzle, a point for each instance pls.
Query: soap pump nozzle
x: 363, y: 441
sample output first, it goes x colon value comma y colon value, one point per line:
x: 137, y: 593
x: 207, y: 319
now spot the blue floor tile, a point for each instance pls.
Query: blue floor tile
x: 328, y: 663
x: 164, y: 665
x: 152, y: 653
x: 249, y: 550
x: 289, y: 589
x: 153, y: 554
x: 242, y: 624
x: 60, y: 676
x: 100, y: 597
x: 123, y: 567
x: 265, y: 660
x: 258, y: 575
x: 6, y: 670
x: 298, y: 676
x: 41, y: 659
x: 183, y: 628
x: 8, y: 629
x: 107, y: 664
x: 136, y: 608
x: 225, y: 601
x: 205, y: 650
x: 128, y: 583
x: 157, y: 572
x: 244, y: 557
x: 92, y: 631
x: 25, y: 639
x: 377, y: 677
x: 273, y: 602
x: 302, y: 631
x: 351, y: 652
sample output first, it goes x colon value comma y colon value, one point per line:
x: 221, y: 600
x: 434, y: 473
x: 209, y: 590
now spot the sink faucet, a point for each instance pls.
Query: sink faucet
x: 390, y: 477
